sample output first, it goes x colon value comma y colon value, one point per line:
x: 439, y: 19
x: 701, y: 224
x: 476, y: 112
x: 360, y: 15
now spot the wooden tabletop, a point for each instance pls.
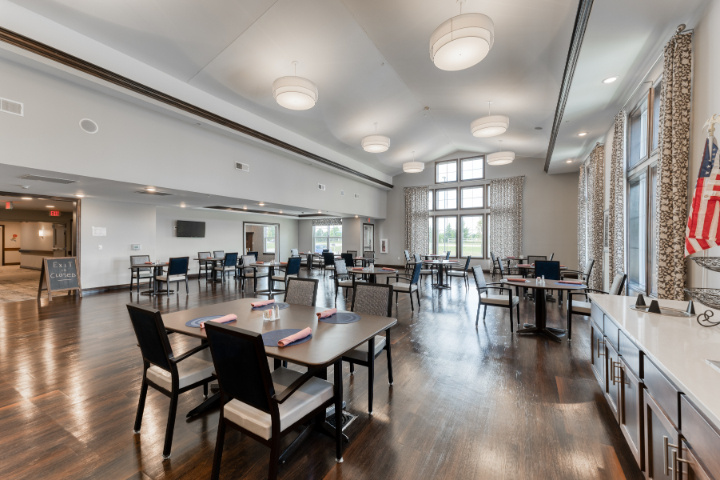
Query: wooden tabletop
x: 376, y: 271
x: 329, y: 342
x: 549, y: 284
x: 441, y: 262
x: 149, y: 265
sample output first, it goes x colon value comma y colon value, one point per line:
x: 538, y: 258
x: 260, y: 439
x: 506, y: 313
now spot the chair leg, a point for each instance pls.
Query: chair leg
x: 141, y: 407
x: 484, y: 312
x: 274, y: 458
x: 517, y: 309
x: 417, y: 294
x: 170, y: 425
x: 352, y: 368
x: 217, y: 456
x: 411, y: 302
x: 389, y: 355
x: 371, y: 374
x: 511, y: 319
x: 477, y: 316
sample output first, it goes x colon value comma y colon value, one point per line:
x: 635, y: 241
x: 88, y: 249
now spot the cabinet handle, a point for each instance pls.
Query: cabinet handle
x: 599, y: 352
x: 677, y: 465
x: 666, y: 444
x: 612, y: 371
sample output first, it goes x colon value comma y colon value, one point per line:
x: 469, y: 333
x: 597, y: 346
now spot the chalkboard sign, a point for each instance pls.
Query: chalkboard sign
x: 59, y: 274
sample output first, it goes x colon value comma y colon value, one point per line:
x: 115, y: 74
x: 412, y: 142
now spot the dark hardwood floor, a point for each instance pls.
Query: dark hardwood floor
x: 467, y: 403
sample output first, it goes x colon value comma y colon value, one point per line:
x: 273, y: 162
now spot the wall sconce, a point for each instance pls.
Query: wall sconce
x: 41, y: 233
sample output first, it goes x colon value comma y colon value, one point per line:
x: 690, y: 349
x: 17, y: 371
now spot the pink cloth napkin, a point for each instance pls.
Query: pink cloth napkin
x: 572, y: 282
x: 327, y: 313
x: 356, y: 269
x: 262, y: 303
x: 283, y: 263
x: 524, y: 265
x: 297, y: 336
x: 358, y: 258
x: 224, y: 319
x: 521, y: 280
x: 148, y: 263
x: 260, y: 263
x: 388, y: 269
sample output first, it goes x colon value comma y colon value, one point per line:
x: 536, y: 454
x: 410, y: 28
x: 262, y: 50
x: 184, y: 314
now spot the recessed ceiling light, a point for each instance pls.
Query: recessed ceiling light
x: 262, y: 204
x: 80, y: 195
x: 356, y: 216
x: 609, y: 80
x: 582, y: 134
x: 568, y: 161
x: 244, y: 207
x: 151, y: 189
x: 25, y: 198
x: 182, y: 205
x: 319, y: 211
x: 49, y: 206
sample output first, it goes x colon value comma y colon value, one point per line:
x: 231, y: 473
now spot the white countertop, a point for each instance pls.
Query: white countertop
x: 678, y: 346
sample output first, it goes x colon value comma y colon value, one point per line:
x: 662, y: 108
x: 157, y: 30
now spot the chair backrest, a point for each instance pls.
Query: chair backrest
x: 416, y: 274
x: 329, y: 258
x: 551, y: 270
x: 589, y: 267
x: 254, y: 254
x: 204, y: 254
x: 492, y: 257
x: 247, y: 260
x: 372, y: 299
x: 349, y: 259
x: 417, y: 257
x: 352, y: 252
x: 178, y: 266
x: 552, y: 255
x: 534, y: 258
x: 340, y: 268
x: 241, y: 366
x: 467, y: 263
x: 479, y: 277
x: 151, y: 336
x: 294, y: 252
x: 301, y: 291
x: 369, y: 253
x: 230, y: 259
x: 293, y: 266
x: 325, y: 250
x: 407, y: 255
x: 618, y: 284
x: 139, y: 259
x: 501, y: 266
x: 447, y: 255
x: 218, y: 253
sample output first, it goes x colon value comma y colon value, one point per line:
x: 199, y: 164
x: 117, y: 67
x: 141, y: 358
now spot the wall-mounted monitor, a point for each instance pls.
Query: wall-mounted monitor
x: 184, y: 228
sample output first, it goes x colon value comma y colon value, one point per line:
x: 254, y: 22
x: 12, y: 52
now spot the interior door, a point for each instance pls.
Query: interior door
x: 59, y: 240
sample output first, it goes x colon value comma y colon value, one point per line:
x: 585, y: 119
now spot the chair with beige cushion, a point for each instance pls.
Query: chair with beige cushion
x: 177, y: 272
x: 577, y: 307
x: 343, y: 279
x: 292, y: 269
x: 166, y: 372
x: 137, y: 274
x: 264, y: 405
x: 462, y: 273
x: 228, y: 265
x: 409, y: 286
x: 205, y: 266
x: 247, y: 272
x: 502, y: 296
x: 423, y: 271
x: 371, y: 299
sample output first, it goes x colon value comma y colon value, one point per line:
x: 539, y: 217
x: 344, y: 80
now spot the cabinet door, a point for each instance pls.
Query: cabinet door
x: 661, y: 440
x: 687, y: 466
x: 597, y: 354
x: 613, y: 390
x: 630, y: 411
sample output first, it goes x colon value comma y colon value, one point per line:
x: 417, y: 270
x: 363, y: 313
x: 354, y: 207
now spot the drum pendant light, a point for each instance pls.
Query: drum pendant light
x: 413, y: 167
x: 375, y: 143
x: 500, y: 158
x: 489, y: 126
x: 462, y: 41
x: 295, y: 93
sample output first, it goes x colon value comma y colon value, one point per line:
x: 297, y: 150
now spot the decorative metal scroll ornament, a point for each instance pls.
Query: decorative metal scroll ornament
x: 704, y: 319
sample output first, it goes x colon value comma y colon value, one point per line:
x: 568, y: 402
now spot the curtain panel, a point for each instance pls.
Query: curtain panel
x: 675, y: 99
x: 327, y: 222
x: 416, y: 220
x: 582, y: 218
x: 616, y: 221
x: 591, y: 200
x: 506, y: 210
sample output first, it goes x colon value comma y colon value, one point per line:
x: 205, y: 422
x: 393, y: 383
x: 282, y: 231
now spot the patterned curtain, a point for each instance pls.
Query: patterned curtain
x: 582, y: 218
x: 673, y: 166
x: 327, y: 222
x: 416, y: 220
x: 616, y: 223
x: 595, y: 209
x: 506, y: 207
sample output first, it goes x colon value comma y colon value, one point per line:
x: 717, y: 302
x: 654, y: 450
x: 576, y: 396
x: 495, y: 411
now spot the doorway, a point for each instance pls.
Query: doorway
x: 263, y: 238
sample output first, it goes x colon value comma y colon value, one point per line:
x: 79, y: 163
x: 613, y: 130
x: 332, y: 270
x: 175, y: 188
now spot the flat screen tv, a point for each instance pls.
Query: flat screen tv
x: 190, y: 229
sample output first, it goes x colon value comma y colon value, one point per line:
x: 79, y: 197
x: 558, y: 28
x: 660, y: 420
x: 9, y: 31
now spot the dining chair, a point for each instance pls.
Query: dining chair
x: 301, y: 291
x: 552, y: 255
x: 447, y: 256
x: 495, y: 269
x: 343, y: 279
x: 408, y: 259
x: 205, y: 266
x: 292, y: 269
x: 328, y: 262
x: 505, y: 299
x: 137, y: 274
x: 264, y: 405
x: 229, y: 264
x: 534, y: 258
x: 407, y: 287
x: 582, y: 275
x: 575, y: 307
x: 176, y: 273
x: 218, y: 254
x: 294, y: 252
x: 548, y: 269
x: 166, y: 372
x: 423, y: 271
x: 247, y: 272
x: 370, y: 254
x: 349, y: 259
x: 371, y: 299
x: 463, y: 273
x: 504, y: 274
x: 353, y: 253
x: 254, y: 254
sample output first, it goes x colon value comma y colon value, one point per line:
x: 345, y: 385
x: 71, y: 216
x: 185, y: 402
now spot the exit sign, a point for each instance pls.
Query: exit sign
x: 54, y: 213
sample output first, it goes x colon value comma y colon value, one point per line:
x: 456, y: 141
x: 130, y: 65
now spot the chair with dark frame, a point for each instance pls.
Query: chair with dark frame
x: 407, y: 287
x: 550, y: 270
x: 250, y: 401
x: 504, y: 275
x: 371, y: 299
x: 370, y: 255
x: 218, y: 254
x: 301, y: 291
x: 575, y: 307
x: 447, y: 255
x: 349, y: 259
x: 248, y: 272
x: 138, y: 274
x: 494, y: 265
x: 205, y: 266
x: 292, y: 269
x: 343, y: 279
x: 229, y: 264
x: 423, y: 271
x: 582, y: 275
x: 254, y: 254
x: 328, y: 262
x: 176, y: 273
x: 462, y: 273
x: 408, y: 259
x: 505, y: 299
x: 531, y: 259
x: 166, y: 372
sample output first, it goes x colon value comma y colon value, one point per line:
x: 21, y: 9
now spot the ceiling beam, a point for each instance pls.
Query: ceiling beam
x: 88, y: 68
x: 581, y: 22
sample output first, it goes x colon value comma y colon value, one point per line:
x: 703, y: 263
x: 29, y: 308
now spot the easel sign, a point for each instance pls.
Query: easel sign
x: 59, y: 274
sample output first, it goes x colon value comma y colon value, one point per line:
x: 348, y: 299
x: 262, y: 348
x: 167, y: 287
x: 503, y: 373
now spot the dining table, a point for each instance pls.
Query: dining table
x: 540, y: 326
x: 371, y: 274
x: 271, y: 271
x: 213, y: 262
x: 441, y: 266
x: 329, y: 342
x: 157, y: 270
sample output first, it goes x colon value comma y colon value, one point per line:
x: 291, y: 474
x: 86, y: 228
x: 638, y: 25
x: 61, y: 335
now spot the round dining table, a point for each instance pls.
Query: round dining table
x: 441, y: 266
x: 372, y: 273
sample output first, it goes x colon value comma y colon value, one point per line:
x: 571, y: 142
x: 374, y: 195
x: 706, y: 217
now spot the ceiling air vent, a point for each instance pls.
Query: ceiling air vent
x: 40, y: 178
x: 357, y: 195
x: 242, y: 166
x: 10, y: 106
x: 321, y: 187
x: 146, y: 192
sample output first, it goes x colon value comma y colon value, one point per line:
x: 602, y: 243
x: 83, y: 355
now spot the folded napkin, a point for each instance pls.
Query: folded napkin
x: 327, y: 313
x: 524, y: 265
x: 262, y: 303
x: 358, y: 258
x: 387, y: 269
x: 224, y: 319
x: 572, y: 282
x: 522, y: 280
x: 295, y: 337
x: 148, y: 263
x: 260, y: 263
x: 283, y: 263
x: 358, y: 269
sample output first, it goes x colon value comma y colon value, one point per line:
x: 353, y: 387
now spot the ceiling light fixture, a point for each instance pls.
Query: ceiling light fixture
x: 489, y: 126
x: 582, y: 134
x: 262, y: 204
x: 80, y: 195
x: 150, y: 189
x: 182, y: 205
x: 375, y: 143
x: 413, y: 167
x: 26, y: 198
x: 609, y: 80
x: 244, y: 207
x: 568, y: 161
x: 319, y: 211
x: 462, y: 41
x: 500, y: 158
x: 295, y: 93
x: 49, y: 206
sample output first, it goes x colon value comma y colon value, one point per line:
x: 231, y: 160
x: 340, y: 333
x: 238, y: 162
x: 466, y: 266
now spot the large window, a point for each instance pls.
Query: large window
x: 327, y: 237
x: 446, y: 199
x: 655, y: 117
x: 269, y: 239
x: 446, y: 171
x: 471, y: 238
x: 637, y: 135
x: 472, y: 197
x: 430, y: 200
x: 472, y: 168
x: 637, y: 233
x: 431, y: 220
x: 446, y: 235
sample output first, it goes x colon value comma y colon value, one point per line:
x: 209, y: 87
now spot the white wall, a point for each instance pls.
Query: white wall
x: 12, y: 228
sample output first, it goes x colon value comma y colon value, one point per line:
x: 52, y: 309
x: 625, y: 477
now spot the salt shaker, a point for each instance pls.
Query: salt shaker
x: 276, y: 312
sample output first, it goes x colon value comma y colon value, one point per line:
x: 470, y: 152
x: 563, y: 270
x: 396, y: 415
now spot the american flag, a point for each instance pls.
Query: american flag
x: 702, y: 228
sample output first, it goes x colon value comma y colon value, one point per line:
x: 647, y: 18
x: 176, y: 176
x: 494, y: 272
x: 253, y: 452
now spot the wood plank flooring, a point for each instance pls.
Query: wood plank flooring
x: 467, y: 403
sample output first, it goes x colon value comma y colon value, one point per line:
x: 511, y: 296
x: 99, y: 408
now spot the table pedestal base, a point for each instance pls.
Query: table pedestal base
x: 540, y: 327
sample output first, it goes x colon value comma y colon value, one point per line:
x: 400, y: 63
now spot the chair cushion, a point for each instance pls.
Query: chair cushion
x: 252, y: 273
x: 224, y: 269
x: 426, y: 271
x: 456, y: 273
x: 193, y: 369
x: 345, y: 283
x: 403, y: 287
x: 361, y: 352
x: 581, y: 307
x: 329, y: 267
x: 173, y: 278
x: 282, y: 278
x: 142, y: 274
x: 308, y: 397
x: 499, y: 300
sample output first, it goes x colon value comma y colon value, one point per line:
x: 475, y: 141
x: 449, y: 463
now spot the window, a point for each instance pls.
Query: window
x: 471, y: 240
x: 446, y: 171
x: 472, y: 197
x: 655, y: 116
x: 637, y: 135
x: 472, y: 168
x: 430, y: 200
x: 446, y: 199
x: 327, y: 237
x: 637, y: 233
x: 269, y: 239
x: 430, y: 234
x: 446, y: 235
